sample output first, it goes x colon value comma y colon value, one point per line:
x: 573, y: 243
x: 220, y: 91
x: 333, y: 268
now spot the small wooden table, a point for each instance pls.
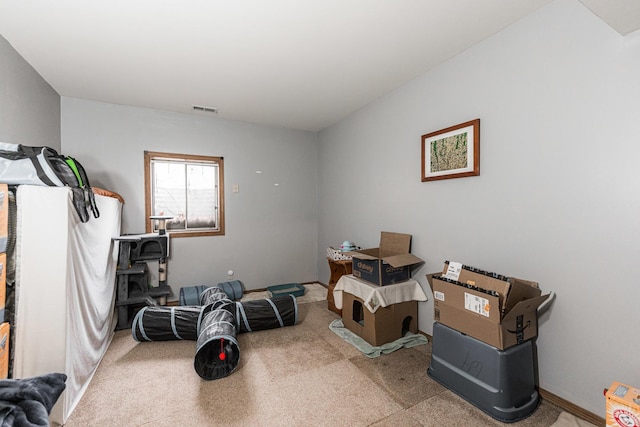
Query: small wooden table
x: 338, y: 269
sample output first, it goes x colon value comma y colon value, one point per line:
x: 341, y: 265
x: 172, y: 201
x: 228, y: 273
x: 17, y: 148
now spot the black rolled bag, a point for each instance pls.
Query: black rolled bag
x: 217, y: 350
x: 191, y: 295
x: 212, y: 294
x: 268, y: 313
x: 214, y: 325
x: 233, y: 289
x: 163, y: 323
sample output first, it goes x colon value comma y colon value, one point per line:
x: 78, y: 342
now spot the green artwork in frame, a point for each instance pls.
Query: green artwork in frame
x: 453, y: 152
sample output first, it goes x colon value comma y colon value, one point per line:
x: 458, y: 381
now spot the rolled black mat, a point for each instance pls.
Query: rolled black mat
x: 162, y: 323
x: 217, y: 350
x: 214, y: 325
x: 222, y: 304
x: 211, y: 295
x: 233, y: 289
x: 190, y: 295
x: 268, y: 313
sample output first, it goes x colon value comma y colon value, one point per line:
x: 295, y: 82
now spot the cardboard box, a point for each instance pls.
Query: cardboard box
x: 387, y: 264
x: 623, y: 406
x: 3, y: 285
x: 500, y: 311
x: 4, y: 350
x: 386, y: 325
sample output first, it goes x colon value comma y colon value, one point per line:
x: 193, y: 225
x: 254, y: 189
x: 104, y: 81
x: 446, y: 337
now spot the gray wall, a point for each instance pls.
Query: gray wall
x: 271, y: 231
x: 29, y: 107
x: 558, y: 198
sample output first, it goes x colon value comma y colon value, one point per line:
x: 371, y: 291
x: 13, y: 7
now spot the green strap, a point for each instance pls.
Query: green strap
x: 72, y: 165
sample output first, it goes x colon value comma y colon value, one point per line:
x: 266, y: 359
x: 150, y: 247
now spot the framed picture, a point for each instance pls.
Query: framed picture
x: 453, y: 152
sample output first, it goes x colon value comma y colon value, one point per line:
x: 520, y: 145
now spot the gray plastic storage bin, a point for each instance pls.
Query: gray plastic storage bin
x: 499, y: 382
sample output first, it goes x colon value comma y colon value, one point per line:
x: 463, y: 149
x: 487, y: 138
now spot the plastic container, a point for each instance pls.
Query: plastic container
x: 295, y: 289
x: 499, y: 382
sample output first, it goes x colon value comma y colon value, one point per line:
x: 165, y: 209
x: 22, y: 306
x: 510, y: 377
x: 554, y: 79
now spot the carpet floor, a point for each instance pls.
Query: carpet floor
x: 567, y: 420
x: 302, y: 375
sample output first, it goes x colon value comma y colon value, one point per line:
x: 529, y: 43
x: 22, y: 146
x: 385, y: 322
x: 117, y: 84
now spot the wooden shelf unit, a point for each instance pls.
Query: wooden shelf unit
x: 338, y: 269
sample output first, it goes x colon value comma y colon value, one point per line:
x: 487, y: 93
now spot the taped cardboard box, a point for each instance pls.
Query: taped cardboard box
x: 623, y: 406
x: 387, y: 264
x: 498, y: 310
x: 386, y: 325
x: 4, y: 350
x: 3, y: 285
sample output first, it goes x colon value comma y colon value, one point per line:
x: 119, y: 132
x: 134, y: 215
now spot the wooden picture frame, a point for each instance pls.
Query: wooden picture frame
x: 453, y: 152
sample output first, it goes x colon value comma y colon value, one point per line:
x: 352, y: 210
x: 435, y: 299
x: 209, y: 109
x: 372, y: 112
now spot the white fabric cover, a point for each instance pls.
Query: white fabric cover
x: 375, y: 296
x: 65, y: 288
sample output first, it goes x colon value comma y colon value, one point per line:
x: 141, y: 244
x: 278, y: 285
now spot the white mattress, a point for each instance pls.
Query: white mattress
x: 65, y: 288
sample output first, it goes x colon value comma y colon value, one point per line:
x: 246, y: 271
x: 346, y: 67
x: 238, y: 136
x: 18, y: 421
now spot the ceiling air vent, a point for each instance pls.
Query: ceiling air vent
x: 205, y: 109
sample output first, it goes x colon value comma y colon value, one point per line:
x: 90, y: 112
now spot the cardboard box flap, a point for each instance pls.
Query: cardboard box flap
x: 395, y: 243
x: 498, y: 283
x: 520, y: 290
x: 430, y: 278
x: 485, y: 282
x: 402, y: 260
x: 384, y: 253
x: 524, y: 307
x: 365, y: 253
x: 394, y: 249
x: 511, y: 290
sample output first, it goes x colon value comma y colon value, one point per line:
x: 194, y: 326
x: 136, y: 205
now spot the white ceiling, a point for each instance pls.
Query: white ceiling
x: 301, y: 64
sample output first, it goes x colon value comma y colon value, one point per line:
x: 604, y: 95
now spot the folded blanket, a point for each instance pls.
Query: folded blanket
x: 408, y: 340
x: 28, y: 402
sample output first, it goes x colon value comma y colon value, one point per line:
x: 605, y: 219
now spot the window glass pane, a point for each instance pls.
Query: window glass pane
x: 201, y: 196
x: 169, y: 193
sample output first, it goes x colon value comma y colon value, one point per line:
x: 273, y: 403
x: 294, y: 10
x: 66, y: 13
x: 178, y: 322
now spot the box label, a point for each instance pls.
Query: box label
x: 453, y: 271
x: 477, y: 304
x: 438, y: 295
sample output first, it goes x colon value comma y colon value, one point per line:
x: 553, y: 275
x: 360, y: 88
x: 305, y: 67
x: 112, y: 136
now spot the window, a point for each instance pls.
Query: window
x: 188, y: 188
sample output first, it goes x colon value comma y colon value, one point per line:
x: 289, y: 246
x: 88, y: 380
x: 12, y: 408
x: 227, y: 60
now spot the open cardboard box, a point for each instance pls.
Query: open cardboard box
x: 500, y: 311
x: 387, y: 264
